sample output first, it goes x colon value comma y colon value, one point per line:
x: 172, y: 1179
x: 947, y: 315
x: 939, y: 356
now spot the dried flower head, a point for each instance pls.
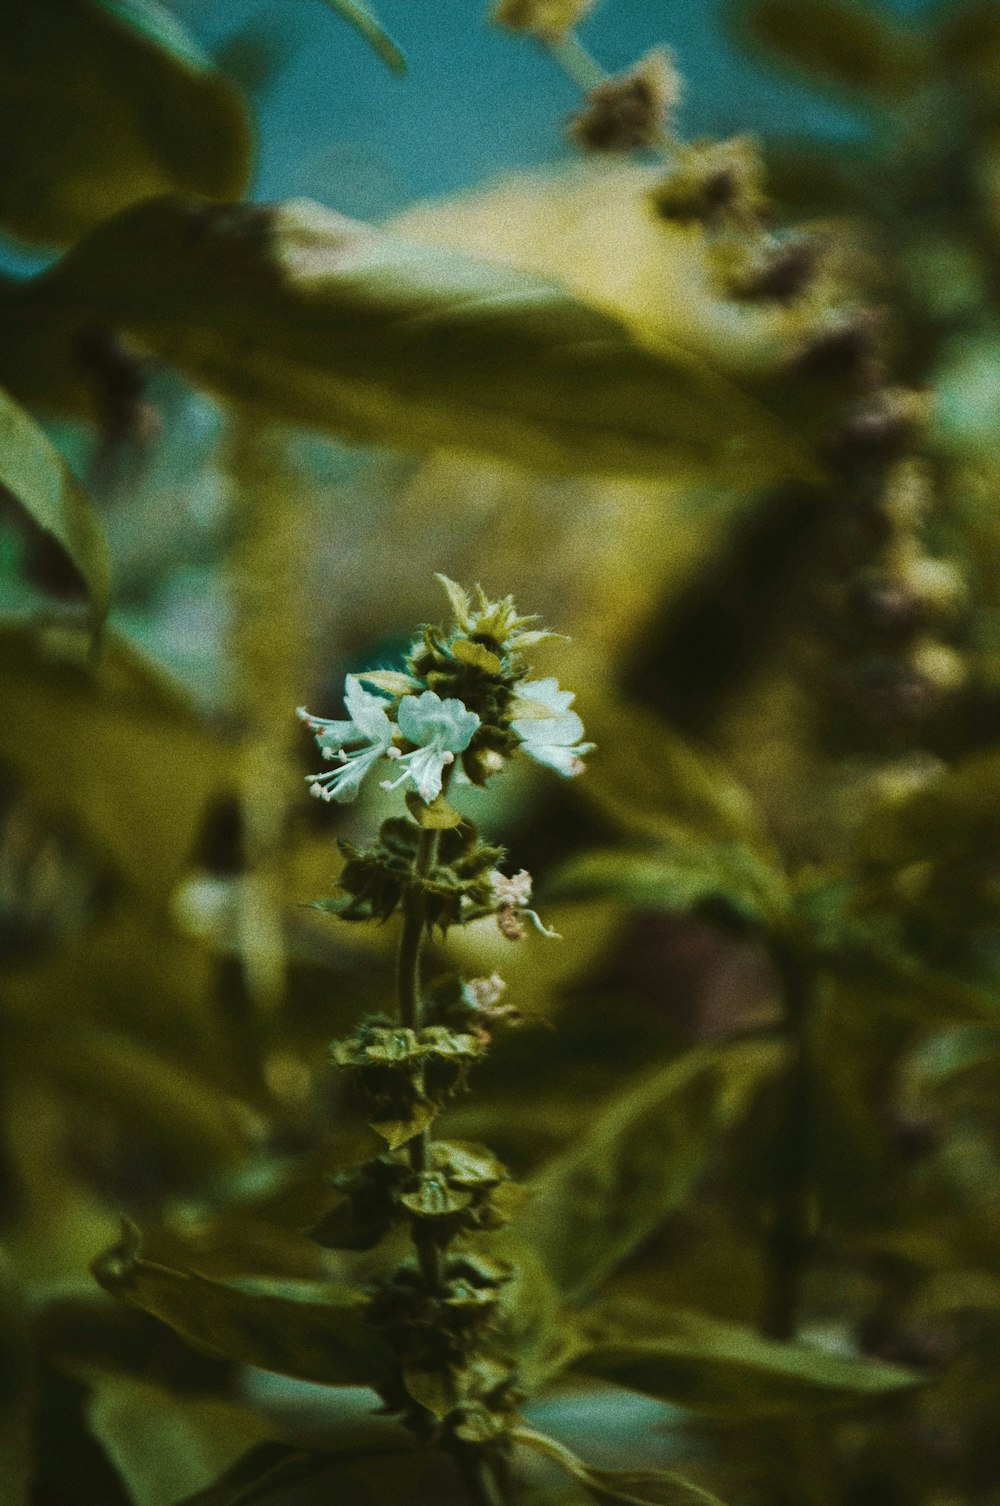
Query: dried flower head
x: 548, y: 19
x: 628, y: 113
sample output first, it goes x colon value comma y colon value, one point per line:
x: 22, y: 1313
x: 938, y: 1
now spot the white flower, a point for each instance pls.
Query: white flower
x: 549, y: 732
x: 440, y: 729
x: 510, y: 898
x: 368, y: 726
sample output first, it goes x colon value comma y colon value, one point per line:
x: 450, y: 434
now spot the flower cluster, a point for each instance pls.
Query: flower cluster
x: 465, y: 695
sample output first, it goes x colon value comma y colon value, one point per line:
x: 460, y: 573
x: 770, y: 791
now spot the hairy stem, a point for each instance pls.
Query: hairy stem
x: 408, y: 993
x: 791, y: 1237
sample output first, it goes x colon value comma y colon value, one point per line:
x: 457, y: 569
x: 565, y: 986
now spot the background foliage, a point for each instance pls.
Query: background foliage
x: 237, y: 438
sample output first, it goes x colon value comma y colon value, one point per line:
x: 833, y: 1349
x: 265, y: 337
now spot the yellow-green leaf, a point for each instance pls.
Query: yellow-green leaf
x: 105, y: 103
x: 595, y: 1204
x: 843, y: 43
x: 725, y: 1369
x: 114, y: 746
x: 631, y: 1487
x: 324, y: 321
x: 40, y: 482
x: 726, y: 883
x: 311, y: 1330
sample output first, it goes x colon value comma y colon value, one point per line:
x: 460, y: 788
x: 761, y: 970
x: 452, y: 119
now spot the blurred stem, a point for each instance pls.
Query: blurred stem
x: 575, y: 61
x: 791, y: 1237
x: 410, y: 1015
x: 266, y: 644
x: 484, y: 1485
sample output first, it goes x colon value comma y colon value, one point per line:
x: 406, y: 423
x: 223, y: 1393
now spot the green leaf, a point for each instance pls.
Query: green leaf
x: 725, y: 1369
x: 106, y: 103
x: 164, y: 1100
x: 632, y: 1487
x: 950, y: 818
x: 361, y: 18
x: 323, y: 321
x: 16, y: 1392
x: 653, y: 784
x: 592, y: 1206
x: 953, y: 1056
x: 309, y: 1330
x: 866, y: 947
x: 842, y: 43
x: 113, y: 746
x: 363, y: 1467
x: 166, y: 1446
x: 437, y: 816
x: 40, y: 481
x: 727, y: 883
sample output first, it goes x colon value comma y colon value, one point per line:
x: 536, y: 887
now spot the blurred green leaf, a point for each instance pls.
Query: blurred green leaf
x: 115, y: 746
x: 643, y: 1154
x: 107, y: 102
x: 40, y: 481
x: 165, y: 1101
x: 325, y: 321
x: 378, y: 1472
x: 633, y: 1487
x: 16, y: 1392
x: 946, y: 1059
x: 862, y: 945
x: 725, y: 1369
x: 953, y: 817
x: 361, y: 18
x: 310, y: 1330
x: 165, y: 1446
x: 842, y: 43
x: 652, y: 783
x: 727, y: 883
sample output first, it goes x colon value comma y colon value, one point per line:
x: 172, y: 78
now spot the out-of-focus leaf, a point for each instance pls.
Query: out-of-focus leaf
x: 727, y: 883
x: 953, y: 1056
x: 362, y: 19
x: 842, y: 43
x: 376, y: 1472
x: 114, y: 746
x: 16, y: 1393
x: 165, y: 1446
x: 868, y: 949
x: 653, y: 784
x: 643, y: 1154
x: 640, y: 1487
x: 725, y: 1369
x: 40, y: 481
x: 592, y: 228
x: 161, y: 1099
x: 309, y: 1330
x: 325, y: 321
x: 107, y: 102
x: 952, y: 817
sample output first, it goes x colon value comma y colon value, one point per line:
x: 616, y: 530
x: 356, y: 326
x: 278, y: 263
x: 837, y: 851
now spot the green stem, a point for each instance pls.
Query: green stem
x: 484, y: 1485
x: 575, y: 61
x: 791, y: 1237
x: 408, y: 993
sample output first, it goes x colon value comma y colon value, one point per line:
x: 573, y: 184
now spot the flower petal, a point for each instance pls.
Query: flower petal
x: 549, y: 731
x: 545, y: 693
x: 425, y: 767
x: 427, y: 720
x: 367, y: 712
